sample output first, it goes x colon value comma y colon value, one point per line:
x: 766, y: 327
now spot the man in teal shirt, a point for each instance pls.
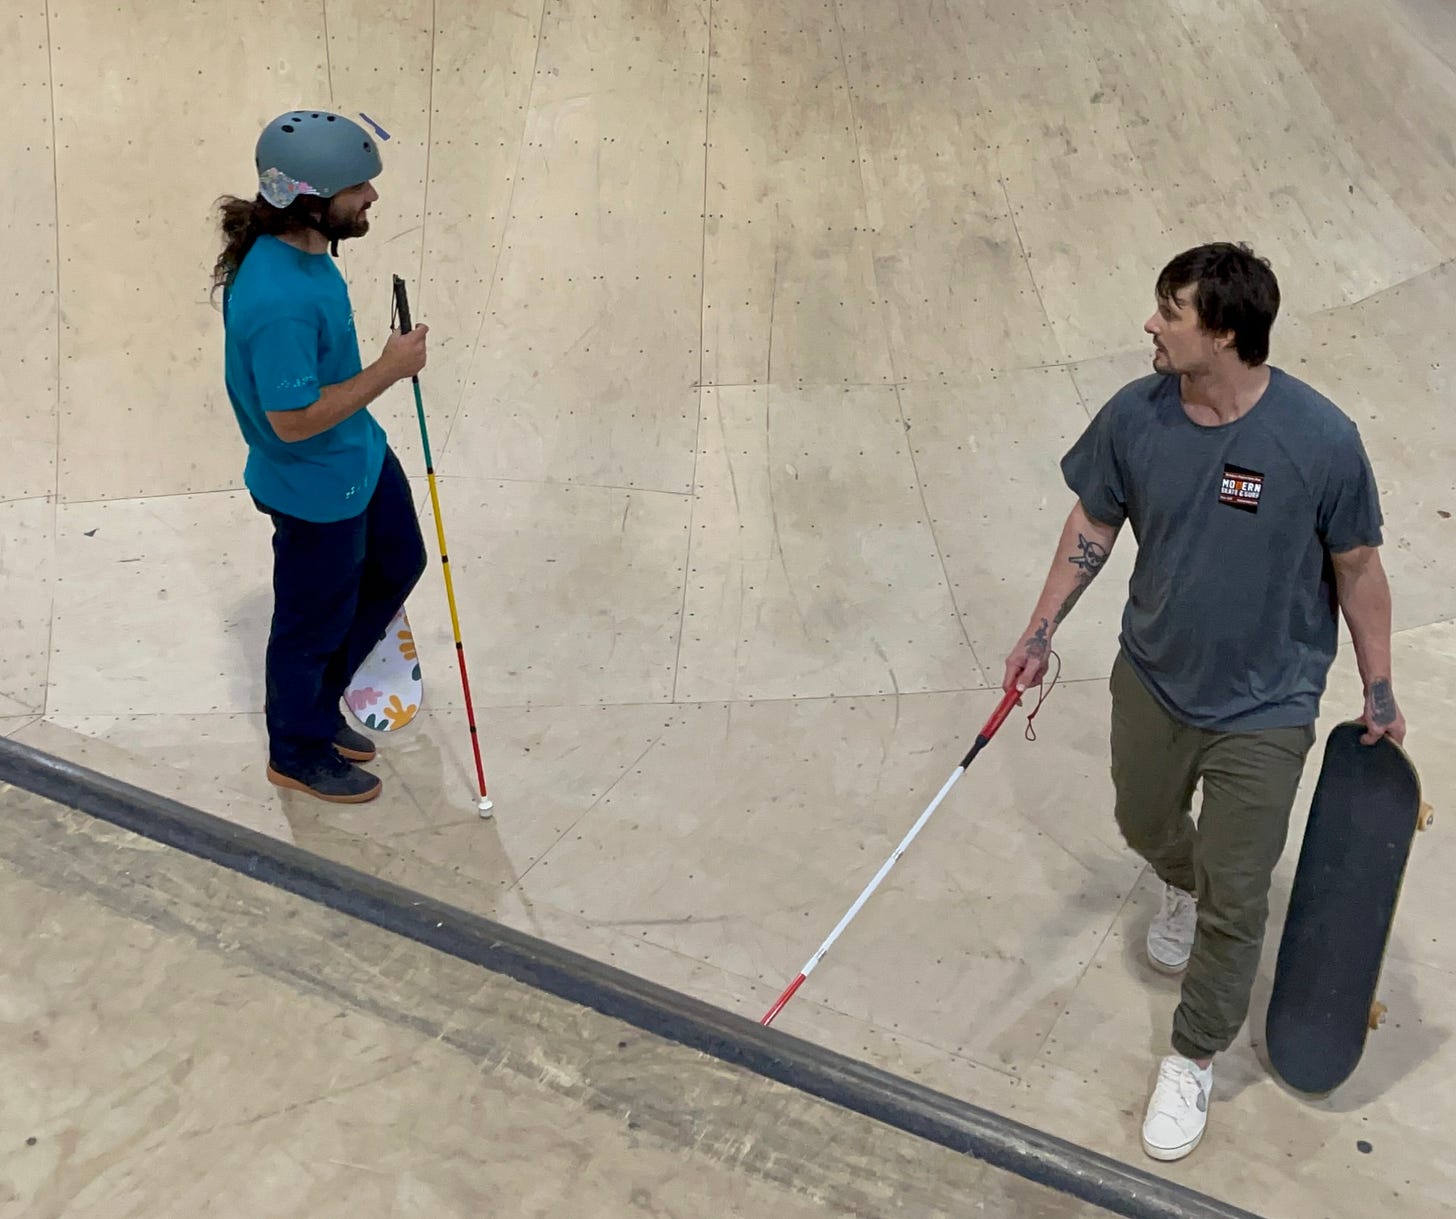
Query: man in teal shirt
x: 346, y: 542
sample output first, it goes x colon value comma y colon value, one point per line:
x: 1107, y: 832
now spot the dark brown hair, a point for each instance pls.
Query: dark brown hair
x: 243, y: 221
x: 1233, y: 289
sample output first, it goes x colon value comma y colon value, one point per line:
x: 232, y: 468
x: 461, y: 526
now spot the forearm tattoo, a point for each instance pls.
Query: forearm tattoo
x: 1039, y: 644
x: 1088, y: 562
x: 1383, y: 700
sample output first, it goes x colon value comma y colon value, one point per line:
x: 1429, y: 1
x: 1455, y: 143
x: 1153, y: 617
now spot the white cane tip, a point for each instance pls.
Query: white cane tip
x: 484, y: 805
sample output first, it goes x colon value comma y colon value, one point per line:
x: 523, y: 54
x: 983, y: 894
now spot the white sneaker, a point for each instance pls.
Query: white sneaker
x: 1178, y: 1109
x: 1170, y: 936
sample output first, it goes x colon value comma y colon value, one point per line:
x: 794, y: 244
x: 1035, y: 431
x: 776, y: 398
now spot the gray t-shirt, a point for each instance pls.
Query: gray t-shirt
x: 1232, y: 619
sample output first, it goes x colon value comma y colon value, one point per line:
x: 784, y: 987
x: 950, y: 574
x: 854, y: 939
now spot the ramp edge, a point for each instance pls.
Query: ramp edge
x: 875, y: 1093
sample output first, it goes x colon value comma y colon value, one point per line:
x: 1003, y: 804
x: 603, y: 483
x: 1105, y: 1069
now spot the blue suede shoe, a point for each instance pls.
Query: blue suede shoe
x: 334, y: 780
x: 354, y: 746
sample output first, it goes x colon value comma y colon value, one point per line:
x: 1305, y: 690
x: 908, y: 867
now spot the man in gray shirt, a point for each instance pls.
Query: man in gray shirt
x: 1257, y: 521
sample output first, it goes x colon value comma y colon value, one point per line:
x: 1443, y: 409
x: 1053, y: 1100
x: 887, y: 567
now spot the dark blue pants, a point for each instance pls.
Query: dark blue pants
x: 336, y: 586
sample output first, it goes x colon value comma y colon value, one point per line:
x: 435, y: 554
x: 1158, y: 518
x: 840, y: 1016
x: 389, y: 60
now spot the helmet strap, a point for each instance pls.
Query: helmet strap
x: 316, y: 217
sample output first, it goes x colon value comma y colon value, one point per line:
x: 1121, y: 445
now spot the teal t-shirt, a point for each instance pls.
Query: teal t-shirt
x: 289, y: 331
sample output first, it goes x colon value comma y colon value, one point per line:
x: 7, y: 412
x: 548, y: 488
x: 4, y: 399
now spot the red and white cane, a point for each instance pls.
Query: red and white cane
x: 998, y: 717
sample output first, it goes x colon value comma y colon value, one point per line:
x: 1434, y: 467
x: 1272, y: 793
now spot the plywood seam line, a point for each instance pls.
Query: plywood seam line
x: 1331, y: 310
x: 343, y: 249
x: 935, y: 537
x: 55, y: 497
x: 1081, y: 397
x: 773, y: 305
x: 881, y: 308
x: 421, y: 302
x: 1046, y: 317
x: 703, y: 250
x: 693, y: 489
x: 100, y: 501
x: 515, y: 886
x: 1422, y: 626
x: 510, y: 211
x: 1094, y: 953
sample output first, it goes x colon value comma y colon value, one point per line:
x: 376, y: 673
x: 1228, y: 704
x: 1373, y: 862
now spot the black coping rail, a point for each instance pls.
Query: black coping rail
x: 1029, y: 1153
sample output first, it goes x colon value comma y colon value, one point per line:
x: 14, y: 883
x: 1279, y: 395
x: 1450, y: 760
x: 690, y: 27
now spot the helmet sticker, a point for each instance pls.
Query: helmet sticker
x: 378, y: 130
x: 280, y: 190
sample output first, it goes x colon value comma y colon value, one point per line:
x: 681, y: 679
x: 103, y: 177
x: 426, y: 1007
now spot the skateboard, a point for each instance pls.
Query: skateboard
x: 1363, y: 819
x: 385, y: 692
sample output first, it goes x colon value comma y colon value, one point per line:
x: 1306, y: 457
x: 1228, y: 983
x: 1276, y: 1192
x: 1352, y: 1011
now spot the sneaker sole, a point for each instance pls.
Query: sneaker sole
x: 1166, y: 1155
x: 356, y: 755
x: 281, y: 780
x: 1171, y: 971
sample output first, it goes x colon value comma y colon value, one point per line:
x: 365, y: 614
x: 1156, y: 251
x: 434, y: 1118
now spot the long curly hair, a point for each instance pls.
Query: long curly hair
x: 243, y: 221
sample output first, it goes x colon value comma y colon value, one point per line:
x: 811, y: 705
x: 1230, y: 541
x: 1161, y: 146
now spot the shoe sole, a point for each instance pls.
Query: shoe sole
x: 356, y: 755
x: 281, y: 780
x: 1167, y: 1155
x: 1170, y: 971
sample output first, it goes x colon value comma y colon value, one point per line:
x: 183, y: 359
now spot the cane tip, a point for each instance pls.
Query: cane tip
x: 484, y: 806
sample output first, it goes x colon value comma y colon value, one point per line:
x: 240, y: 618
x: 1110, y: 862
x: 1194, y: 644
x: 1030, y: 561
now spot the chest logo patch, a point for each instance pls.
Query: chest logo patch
x: 1241, y: 488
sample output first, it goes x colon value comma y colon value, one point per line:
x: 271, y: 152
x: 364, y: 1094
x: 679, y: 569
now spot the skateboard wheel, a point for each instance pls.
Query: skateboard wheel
x: 1425, y: 816
x: 1377, y: 1014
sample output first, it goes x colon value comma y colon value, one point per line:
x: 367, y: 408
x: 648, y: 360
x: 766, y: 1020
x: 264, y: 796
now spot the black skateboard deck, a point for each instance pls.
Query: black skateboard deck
x: 1363, y: 817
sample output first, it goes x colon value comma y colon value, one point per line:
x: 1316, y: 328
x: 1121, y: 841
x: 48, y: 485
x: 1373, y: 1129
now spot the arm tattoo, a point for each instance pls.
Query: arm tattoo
x: 1088, y: 562
x: 1384, y: 701
x: 1039, y: 644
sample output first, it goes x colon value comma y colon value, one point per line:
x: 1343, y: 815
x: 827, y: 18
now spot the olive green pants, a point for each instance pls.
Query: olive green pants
x: 1249, y: 783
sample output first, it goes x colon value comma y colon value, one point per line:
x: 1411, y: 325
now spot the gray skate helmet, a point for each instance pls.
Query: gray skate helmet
x: 313, y: 152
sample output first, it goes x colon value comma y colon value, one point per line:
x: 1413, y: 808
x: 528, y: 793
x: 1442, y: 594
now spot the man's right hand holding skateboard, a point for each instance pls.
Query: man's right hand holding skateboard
x: 1382, y: 717
x: 1365, y: 601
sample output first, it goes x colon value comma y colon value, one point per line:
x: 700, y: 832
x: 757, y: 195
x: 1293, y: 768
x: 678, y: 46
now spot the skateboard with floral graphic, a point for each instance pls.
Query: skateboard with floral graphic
x: 385, y: 693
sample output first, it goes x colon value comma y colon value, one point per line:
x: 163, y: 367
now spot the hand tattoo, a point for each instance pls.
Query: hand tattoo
x: 1088, y: 563
x: 1383, y: 701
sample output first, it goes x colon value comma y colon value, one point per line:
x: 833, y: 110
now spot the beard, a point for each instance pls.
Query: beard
x: 340, y: 228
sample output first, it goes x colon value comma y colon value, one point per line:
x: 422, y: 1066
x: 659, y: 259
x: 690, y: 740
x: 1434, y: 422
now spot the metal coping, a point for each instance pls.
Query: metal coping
x: 794, y: 1062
